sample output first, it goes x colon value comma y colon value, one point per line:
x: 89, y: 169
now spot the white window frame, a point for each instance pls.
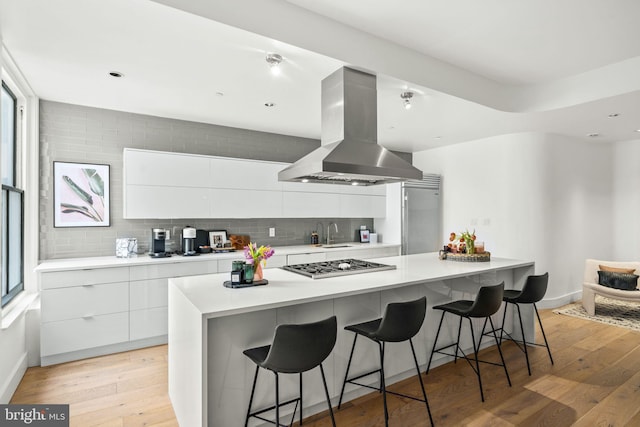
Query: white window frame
x: 27, y: 178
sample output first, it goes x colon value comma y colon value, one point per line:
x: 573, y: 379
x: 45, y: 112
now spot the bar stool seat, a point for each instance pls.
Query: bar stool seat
x: 295, y: 349
x: 532, y: 292
x: 400, y: 322
x: 486, y: 304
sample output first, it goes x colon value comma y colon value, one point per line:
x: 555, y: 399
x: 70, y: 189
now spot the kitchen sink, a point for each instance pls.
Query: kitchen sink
x: 336, y: 246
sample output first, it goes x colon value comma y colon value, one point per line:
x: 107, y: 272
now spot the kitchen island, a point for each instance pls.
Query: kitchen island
x: 210, y: 325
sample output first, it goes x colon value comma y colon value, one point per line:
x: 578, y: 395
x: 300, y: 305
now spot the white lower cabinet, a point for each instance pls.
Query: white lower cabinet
x: 91, y: 312
x: 65, y: 336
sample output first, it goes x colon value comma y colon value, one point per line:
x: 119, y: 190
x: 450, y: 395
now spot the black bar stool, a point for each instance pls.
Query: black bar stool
x: 486, y: 304
x: 401, y: 322
x: 533, y: 291
x: 295, y: 349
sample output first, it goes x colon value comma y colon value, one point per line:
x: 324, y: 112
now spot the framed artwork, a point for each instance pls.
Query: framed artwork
x: 217, y: 238
x: 364, y: 236
x: 81, y: 195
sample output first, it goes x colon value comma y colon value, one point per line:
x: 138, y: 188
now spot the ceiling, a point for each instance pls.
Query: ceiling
x: 478, y: 69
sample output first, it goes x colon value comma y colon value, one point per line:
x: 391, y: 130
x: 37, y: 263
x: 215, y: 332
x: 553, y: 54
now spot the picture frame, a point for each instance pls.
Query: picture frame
x: 81, y: 195
x: 364, y: 236
x: 217, y: 238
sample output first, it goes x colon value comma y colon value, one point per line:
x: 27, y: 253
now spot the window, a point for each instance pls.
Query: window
x: 12, y: 201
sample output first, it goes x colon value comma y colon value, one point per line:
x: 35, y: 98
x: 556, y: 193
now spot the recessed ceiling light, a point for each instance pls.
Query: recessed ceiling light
x: 116, y: 74
x: 637, y: 130
x: 613, y: 115
x: 593, y: 135
x: 269, y: 104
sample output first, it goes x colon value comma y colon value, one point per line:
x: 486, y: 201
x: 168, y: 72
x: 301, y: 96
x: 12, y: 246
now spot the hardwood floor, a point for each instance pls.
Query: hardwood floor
x: 595, y: 381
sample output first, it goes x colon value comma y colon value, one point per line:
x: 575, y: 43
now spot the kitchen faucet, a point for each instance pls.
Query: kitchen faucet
x: 329, y: 230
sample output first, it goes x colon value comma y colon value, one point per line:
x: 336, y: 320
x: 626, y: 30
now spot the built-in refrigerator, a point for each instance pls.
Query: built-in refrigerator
x: 421, y: 215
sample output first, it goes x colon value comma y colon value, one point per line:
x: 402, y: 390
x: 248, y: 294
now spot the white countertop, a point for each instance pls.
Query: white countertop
x: 212, y: 299
x: 112, y: 261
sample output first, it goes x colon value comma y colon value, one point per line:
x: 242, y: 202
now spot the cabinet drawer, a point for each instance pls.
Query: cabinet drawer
x: 173, y: 270
x: 80, y: 334
x: 148, y: 293
x: 62, y: 279
x: 148, y: 323
x: 83, y: 301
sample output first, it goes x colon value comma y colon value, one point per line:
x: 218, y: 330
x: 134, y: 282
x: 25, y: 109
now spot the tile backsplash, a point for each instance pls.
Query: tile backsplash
x: 74, y: 133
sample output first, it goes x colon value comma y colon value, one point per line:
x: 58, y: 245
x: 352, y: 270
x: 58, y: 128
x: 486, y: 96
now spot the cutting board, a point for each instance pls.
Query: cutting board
x: 239, y: 241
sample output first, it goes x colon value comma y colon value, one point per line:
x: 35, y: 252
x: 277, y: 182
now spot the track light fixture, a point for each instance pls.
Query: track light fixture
x: 406, y: 99
x: 274, y: 60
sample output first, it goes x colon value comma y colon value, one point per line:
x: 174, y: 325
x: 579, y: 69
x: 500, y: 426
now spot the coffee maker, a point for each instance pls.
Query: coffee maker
x: 189, y: 241
x: 157, y: 247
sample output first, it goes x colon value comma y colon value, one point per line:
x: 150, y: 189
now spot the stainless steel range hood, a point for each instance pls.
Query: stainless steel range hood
x: 349, y: 152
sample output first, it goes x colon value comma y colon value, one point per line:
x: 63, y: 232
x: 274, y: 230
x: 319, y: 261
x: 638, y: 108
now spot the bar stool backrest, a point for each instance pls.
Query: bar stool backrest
x: 534, y: 289
x: 401, y: 320
x: 487, y: 301
x: 299, y: 348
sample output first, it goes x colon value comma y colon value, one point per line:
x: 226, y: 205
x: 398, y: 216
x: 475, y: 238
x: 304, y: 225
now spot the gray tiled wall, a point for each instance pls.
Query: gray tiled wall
x: 73, y: 133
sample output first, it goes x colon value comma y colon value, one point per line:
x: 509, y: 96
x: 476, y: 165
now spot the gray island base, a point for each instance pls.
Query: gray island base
x: 210, y: 325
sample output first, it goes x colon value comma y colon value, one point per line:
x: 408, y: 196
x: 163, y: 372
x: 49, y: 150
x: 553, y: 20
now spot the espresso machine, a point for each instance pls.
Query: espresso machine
x: 157, y: 247
x: 189, y: 241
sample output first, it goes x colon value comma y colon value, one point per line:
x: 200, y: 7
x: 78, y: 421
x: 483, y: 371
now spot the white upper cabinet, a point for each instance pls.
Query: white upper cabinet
x: 175, y: 185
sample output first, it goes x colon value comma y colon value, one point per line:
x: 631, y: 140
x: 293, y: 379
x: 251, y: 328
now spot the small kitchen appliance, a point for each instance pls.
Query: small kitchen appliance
x: 158, y: 236
x: 189, y: 241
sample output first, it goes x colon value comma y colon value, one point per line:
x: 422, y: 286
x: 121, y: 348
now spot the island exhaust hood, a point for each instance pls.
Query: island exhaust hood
x: 349, y: 152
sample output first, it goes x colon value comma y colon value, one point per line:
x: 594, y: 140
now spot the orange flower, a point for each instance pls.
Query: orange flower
x: 452, y: 237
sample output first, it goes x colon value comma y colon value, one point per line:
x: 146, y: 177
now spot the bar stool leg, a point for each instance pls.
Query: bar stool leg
x: 253, y: 389
x: 455, y: 357
x: 475, y: 353
x: 435, y: 342
x: 546, y: 343
x: 383, y: 385
x: 346, y: 374
x: 424, y: 393
x: 504, y: 365
x: 524, y: 340
x: 504, y: 316
x: 326, y: 393
x: 300, y: 398
x: 277, y: 400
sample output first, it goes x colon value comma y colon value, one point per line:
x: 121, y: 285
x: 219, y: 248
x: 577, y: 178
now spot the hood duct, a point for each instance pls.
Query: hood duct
x: 349, y: 152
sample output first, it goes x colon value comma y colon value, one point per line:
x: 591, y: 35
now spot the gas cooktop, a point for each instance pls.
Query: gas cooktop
x: 341, y: 267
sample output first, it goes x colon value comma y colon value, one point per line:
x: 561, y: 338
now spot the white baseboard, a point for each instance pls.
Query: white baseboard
x: 561, y: 300
x: 11, y: 384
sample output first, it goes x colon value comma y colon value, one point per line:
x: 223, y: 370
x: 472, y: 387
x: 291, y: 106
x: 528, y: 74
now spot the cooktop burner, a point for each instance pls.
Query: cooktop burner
x: 341, y: 267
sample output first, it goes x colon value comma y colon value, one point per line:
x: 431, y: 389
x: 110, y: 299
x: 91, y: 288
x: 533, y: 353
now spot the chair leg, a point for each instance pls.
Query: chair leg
x: 546, y: 343
x: 253, y: 389
x: 326, y: 393
x: 300, y: 398
x: 383, y: 385
x: 435, y: 342
x: 346, y: 374
x: 504, y: 365
x: 475, y: 353
x: 424, y: 393
x: 524, y: 339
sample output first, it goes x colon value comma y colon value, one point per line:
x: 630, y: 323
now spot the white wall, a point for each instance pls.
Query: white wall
x: 530, y: 196
x: 626, y: 184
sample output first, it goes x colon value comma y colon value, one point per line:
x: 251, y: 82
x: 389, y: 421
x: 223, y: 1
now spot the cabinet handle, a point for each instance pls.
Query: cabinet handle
x: 87, y: 286
x: 88, y: 316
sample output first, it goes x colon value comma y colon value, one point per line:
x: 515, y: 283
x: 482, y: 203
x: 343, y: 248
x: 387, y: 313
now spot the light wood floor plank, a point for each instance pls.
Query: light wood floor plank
x: 595, y: 381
